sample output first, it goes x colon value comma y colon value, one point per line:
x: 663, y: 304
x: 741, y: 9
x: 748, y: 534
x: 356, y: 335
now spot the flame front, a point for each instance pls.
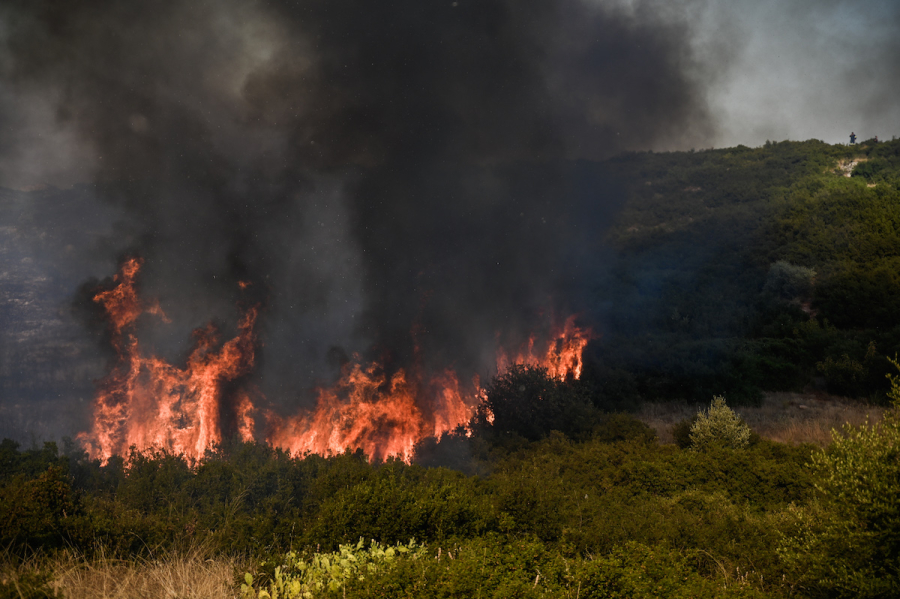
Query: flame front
x: 146, y: 402
x: 382, y: 416
x: 561, y: 358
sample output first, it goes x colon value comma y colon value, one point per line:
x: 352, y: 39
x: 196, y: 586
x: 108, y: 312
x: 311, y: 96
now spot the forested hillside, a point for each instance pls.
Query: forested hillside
x: 751, y: 269
x: 731, y: 272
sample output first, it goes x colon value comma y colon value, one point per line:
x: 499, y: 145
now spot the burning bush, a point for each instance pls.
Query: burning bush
x: 527, y: 402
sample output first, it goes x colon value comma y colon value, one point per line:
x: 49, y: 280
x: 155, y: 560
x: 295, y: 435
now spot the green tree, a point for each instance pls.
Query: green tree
x: 527, y: 402
x: 719, y: 425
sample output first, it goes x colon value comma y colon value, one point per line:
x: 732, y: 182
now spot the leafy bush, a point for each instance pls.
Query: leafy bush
x: 848, y: 545
x: 789, y: 281
x: 622, y: 427
x: 41, y: 512
x: 526, y: 568
x: 720, y: 426
x: 681, y: 431
x: 527, y: 402
x: 297, y: 578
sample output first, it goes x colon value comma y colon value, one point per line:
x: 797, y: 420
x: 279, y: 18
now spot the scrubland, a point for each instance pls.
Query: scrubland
x: 784, y: 417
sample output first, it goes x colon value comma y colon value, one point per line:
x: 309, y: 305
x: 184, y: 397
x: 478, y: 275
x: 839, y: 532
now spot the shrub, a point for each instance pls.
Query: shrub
x: 40, y: 512
x: 681, y: 432
x: 719, y: 426
x: 622, y: 427
x: 789, y: 281
x: 527, y: 402
x: 848, y: 545
x: 297, y: 578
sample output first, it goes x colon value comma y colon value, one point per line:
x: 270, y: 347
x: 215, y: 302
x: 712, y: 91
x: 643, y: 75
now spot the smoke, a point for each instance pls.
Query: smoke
x: 399, y: 178
x: 801, y: 69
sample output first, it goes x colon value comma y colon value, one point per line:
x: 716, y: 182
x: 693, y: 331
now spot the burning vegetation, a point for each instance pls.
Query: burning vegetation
x: 148, y: 403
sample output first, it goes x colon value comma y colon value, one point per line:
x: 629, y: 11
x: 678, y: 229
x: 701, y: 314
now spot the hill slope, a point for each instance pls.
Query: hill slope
x: 741, y: 270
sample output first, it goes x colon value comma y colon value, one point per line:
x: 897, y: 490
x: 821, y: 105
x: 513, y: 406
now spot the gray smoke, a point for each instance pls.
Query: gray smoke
x: 372, y: 169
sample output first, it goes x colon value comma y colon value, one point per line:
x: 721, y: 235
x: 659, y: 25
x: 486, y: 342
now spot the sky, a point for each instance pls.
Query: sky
x: 393, y: 179
x: 800, y: 70
x: 765, y: 70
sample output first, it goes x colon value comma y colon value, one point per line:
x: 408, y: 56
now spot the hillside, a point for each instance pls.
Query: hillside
x: 726, y: 272
x: 744, y: 270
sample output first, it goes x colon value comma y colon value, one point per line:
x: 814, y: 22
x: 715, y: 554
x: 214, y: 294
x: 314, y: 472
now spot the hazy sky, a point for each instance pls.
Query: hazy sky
x: 800, y: 69
x: 767, y: 69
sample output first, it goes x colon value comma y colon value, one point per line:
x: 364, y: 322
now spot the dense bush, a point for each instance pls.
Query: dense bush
x: 39, y: 512
x: 491, y: 567
x: 848, y: 543
x: 719, y: 425
x: 295, y: 577
x: 527, y: 402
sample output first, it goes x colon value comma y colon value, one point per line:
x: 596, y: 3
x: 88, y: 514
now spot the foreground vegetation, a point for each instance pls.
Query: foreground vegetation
x: 608, y: 512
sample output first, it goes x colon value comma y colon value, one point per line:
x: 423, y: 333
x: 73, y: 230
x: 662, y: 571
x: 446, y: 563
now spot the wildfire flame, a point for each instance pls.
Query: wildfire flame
x: 148, y: 403
x: 562, y: 358
x: 383, y: 417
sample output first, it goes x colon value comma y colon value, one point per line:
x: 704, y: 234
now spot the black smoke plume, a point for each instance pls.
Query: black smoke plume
x: 387, y: 175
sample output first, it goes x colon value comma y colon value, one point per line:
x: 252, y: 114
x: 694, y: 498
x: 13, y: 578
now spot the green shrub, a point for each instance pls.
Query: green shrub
x: 298, y: 578
x: 622, y: 427
x: 848, y: 544
x: 719, y: 425
x: 789, y: 281
x: 527, y: 402
x: 525, y: 568
x: 41, y: 512
x: 681, y: 432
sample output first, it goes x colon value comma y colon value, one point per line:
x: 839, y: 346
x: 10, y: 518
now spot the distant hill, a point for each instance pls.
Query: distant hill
x: 749, y: 269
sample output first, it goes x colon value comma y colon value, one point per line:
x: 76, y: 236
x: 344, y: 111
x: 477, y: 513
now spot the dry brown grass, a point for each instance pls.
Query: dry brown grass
x: 792, y: 418
x: 187, y: 575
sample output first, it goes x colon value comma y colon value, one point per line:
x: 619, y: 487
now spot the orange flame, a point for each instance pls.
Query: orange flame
x: 382, y: 416
x: 146, y: 402
x: 562, y: 358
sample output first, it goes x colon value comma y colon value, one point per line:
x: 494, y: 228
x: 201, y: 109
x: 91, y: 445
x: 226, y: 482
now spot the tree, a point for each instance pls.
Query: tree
x: 719, y: 425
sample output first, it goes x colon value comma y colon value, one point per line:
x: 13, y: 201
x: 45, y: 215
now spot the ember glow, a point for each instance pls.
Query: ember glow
x: 147, y: 402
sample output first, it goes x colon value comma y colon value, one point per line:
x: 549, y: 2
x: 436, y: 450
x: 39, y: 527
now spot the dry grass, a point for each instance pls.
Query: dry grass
x: 188, y: 575
x: 792, y: 418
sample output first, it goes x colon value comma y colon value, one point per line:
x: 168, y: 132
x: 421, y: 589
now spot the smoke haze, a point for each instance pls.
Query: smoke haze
x: 387, y: 176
